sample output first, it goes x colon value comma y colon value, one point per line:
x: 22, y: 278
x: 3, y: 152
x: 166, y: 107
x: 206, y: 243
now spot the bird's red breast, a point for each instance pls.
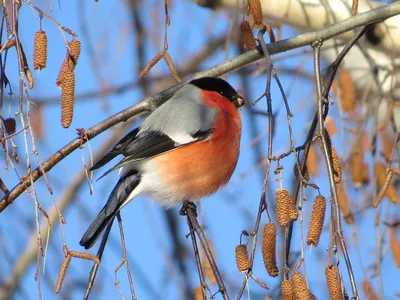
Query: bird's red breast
x: 201, y: 168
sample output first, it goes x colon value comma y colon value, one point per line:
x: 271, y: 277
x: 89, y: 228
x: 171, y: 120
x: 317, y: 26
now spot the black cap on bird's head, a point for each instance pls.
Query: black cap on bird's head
x: 220, y: 86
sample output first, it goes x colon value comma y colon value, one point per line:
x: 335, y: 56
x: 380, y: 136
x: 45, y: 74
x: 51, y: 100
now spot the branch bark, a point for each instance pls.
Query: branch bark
x: 316, y: 14
x: 150, y: 103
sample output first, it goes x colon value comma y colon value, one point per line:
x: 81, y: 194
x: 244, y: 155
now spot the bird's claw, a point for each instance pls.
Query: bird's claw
x: 188, y: 205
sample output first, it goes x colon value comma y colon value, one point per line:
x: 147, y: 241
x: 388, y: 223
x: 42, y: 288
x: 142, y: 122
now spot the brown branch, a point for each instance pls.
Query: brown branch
x: 43, y: 14
x: 189, y: 209
x: 335, y: 212
x: 326, y: 84
x: 95, y: 267
x: 63, y: 271
x: 354, y: 7
x: 25, y: 259
x: 7, y: 45
x: 198, y: 260
x: 124, y: 259
x: 149, y: 104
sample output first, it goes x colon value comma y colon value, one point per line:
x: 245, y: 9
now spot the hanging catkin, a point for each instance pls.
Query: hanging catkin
x: 75, y: 50
x: 70, y: 60
x: 312, y: 161
x: 306, y: 174
x: 282, y: 198
x: 395, y: 249
x: 242, y: 258
x: 198, y: 293
x: 332, y: 279
x: 368, y: 290
x: 357, y: 166
x: 333, y: 156
x: 384, y: 181
x: 67, y: 98
x: 268, y: 249
x: 347, y: 91
x: 300, y: 287
x: 317, y: 221
x: 287, y: 290
x: 40, y: 50
x: 256, y: 11
x: 248, y: 37
x: 344, y: 203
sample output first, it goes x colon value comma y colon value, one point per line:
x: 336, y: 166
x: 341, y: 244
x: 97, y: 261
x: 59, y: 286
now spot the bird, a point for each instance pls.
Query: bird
x: 186, y: 149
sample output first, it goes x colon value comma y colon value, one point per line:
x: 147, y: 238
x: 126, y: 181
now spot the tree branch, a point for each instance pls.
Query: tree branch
x: 309, y: 17
x: 149, y: 104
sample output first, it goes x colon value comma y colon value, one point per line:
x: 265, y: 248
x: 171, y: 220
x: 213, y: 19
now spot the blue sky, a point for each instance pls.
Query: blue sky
x: 148, y: 241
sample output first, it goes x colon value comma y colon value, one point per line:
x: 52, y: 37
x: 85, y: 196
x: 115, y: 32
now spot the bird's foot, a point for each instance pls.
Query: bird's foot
x: 188, y: 205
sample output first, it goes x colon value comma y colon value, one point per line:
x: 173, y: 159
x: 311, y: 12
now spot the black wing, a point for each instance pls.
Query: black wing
x: 117, y: 149
x: 142, y: 146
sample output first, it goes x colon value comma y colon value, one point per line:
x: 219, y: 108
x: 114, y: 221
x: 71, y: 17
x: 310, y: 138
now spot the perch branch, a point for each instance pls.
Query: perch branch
x: 150, y: 103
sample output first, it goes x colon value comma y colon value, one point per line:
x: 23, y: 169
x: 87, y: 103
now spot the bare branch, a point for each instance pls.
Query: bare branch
x: 149, y: 104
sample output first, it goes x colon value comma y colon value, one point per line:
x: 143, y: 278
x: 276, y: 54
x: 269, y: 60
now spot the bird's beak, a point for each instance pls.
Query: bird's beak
x: 238, y: 101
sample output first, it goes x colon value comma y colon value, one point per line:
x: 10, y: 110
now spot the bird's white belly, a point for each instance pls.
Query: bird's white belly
x: 152, y: 185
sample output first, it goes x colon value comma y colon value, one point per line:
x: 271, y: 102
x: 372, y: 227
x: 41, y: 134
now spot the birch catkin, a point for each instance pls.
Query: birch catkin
x: 256, y: 11
x: 67, y: 98
x: 333, y: 156
x: 306, y: 174
x: 40, y: 50
x: 357, y: 166
x: 248, y: 37
x: 75, y: 50
x: 198, y: 293
x: 282, y: 198
x: 317, y: 221
x: 242, y: 258
x: 312, y: 161
x: 369, y: 290
x: 268, y: 249
x: 287, y: 290
x: 300, y: 287
x: 395, y: 249
x: 348, y: 94
x: 332, y: 279
x: 344, y: 203
x: 384, y: 181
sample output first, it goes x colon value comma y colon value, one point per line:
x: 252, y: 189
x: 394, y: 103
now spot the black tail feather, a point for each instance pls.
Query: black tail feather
x: 117, y: 198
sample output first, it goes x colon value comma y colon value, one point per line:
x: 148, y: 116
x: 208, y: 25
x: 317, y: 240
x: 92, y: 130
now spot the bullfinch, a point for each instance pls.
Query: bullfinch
x: 185, y: 150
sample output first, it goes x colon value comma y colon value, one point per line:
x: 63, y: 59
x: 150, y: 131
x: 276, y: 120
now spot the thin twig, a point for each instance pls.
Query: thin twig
x: 198, y: 260
x: 190, y: 209
x: 334, y: 204
x: 327, y: 83
x: 151, y: 103
x: 95, y: 267
x: 43, y: 14
x: 125, y: 258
